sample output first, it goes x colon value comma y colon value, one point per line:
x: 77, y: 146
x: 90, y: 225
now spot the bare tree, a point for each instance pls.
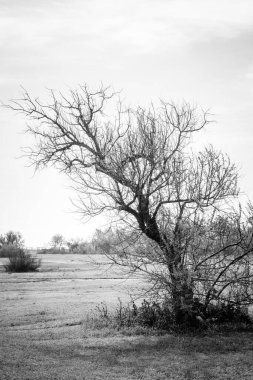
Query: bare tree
x: 137, y: 164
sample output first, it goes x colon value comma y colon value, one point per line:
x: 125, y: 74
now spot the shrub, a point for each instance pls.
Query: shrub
x: 227, y: 313
x: 152, y: 316
x: 8, y: 250
x: 20, y: 261
x: 149, y: 315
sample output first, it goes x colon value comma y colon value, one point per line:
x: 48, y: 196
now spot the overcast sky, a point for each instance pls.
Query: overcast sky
x: 197, y: 50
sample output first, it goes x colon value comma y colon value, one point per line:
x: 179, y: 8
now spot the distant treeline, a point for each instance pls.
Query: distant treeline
x: 58, y: 244
x: 101, y: 241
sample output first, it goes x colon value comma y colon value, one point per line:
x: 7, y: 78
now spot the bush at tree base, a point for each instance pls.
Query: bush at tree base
x: 155, y: 316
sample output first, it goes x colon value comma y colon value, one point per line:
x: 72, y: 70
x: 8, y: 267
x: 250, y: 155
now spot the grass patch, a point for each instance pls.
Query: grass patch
x: 132, y: 358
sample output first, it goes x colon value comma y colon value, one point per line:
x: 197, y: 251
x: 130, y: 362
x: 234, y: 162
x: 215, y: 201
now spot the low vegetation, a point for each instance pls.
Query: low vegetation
x: 8, y: 250
x: 152, y: 317
x: 21, y: 261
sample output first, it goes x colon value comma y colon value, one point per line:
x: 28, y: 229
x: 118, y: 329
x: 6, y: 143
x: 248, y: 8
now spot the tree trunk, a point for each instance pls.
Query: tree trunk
x: 181, y: 283
x: 182, y: 297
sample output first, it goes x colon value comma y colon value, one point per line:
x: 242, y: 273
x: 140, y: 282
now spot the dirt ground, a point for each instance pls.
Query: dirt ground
x: 42, y: 334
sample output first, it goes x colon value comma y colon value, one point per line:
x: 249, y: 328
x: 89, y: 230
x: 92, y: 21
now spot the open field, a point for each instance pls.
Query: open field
x: 44, y: 335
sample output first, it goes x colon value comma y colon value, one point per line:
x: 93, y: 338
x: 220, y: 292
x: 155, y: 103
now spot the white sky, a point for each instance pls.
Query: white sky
x: 197, y: 50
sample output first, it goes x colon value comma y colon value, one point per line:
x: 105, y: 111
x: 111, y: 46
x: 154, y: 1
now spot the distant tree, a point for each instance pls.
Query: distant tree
x: 138, y: 165
x: 77, y: 246
x: 73, y: 245
x: 104, y: 241
x: 57, y: 241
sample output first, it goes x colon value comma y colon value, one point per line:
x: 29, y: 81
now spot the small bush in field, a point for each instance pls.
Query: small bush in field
x: 20, y: 261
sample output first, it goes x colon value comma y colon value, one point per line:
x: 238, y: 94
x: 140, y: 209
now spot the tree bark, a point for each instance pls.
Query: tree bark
x: 182, y: 299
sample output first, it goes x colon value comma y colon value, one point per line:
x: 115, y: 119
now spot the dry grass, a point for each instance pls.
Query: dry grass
x: 43, y: 337
x: 59, y: 356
